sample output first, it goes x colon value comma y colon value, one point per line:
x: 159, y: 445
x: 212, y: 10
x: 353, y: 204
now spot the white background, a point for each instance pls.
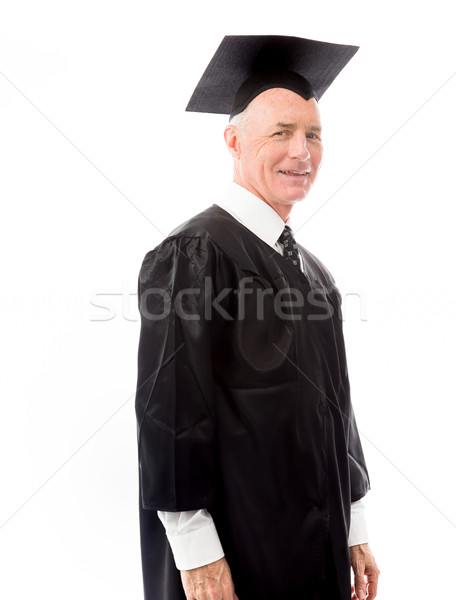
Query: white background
x: 99, y: 160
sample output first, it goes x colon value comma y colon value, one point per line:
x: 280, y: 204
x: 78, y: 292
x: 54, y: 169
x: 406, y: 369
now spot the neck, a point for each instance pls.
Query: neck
x: 283, y: 210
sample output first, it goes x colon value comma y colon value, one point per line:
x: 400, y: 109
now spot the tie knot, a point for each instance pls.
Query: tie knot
x: 287, y: 236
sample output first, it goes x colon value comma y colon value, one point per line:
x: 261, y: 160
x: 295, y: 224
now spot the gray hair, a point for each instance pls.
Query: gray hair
x: 240, y: 120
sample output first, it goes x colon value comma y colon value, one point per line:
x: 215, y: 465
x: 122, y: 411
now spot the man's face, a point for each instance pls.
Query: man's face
x: 280, y: 148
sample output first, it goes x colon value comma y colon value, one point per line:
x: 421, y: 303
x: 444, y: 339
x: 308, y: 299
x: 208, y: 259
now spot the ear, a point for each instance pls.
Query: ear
x: 232, y: 140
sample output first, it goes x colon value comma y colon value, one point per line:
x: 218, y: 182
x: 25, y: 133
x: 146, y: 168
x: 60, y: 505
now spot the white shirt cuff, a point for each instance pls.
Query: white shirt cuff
x: 358, y: 525
x: 193, y: 538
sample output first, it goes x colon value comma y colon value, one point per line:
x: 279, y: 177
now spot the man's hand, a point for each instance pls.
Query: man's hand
x: 211, y: 582
x: 366, y: 572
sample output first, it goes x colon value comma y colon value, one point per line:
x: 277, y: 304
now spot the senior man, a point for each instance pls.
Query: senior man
x: 251, y: 466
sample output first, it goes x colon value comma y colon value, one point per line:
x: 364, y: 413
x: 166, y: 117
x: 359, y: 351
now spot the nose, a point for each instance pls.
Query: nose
x: 298, y: 148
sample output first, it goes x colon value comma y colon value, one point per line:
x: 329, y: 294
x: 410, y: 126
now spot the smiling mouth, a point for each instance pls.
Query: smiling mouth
x: 295, y: 173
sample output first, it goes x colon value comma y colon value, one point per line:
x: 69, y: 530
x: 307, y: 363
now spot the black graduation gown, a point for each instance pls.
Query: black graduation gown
x: 243, y: 408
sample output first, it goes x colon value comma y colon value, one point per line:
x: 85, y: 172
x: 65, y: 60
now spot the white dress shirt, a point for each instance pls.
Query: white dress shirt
x: 192, y: 534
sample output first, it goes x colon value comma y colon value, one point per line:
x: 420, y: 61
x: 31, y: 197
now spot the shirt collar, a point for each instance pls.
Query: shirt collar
x: 255, y: 214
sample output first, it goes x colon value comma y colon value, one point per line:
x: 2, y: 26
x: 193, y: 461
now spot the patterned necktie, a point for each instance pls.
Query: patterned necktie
x: 290, y: 247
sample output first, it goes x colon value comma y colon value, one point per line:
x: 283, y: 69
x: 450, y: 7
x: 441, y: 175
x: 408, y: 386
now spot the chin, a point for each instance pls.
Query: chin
x: 295, y: 196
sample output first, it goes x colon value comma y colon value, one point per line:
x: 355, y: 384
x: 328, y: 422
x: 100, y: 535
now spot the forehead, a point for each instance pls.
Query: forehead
x: 282, y: 105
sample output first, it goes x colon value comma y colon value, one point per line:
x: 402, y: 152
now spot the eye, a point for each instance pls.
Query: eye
x: 280, y: 133
x: 312, y: 136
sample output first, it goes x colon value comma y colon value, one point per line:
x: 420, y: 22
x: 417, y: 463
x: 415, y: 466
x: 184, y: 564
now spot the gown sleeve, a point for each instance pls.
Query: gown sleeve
x: 359, y: 477
x: 176, y: 434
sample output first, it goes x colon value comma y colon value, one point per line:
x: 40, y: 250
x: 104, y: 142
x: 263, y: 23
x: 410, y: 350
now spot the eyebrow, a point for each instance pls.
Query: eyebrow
x: 315, y: 128
x: 286, y: 125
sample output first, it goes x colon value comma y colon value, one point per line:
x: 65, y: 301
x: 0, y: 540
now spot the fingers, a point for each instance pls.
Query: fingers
x: 365, y: 590
x: 360, y: 583
x: 372, y: 582
x: 372, y: 590
x: 366, y: 572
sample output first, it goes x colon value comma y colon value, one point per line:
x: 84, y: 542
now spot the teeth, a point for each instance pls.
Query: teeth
x: 296, y: 172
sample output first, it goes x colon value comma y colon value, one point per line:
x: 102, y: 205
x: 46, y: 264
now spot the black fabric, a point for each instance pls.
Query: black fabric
x: 245, y: 411
x: 160, y: 575
x: 312, y: 67
x: 330, y: 588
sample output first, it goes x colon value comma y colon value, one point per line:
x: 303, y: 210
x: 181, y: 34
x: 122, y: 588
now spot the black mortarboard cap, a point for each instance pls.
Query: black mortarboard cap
x: 246, y: 65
